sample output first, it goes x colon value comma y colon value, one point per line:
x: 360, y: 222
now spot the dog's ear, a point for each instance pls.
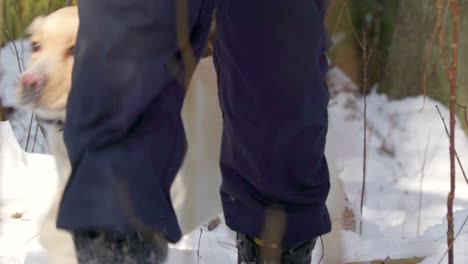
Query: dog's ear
x: 34, y: 25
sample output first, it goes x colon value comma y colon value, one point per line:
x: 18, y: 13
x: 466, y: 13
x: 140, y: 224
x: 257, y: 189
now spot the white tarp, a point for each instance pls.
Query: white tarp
x: 27, y: 184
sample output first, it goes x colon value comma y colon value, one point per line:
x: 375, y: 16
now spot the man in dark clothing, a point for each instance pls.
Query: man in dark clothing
x: 126, y: 140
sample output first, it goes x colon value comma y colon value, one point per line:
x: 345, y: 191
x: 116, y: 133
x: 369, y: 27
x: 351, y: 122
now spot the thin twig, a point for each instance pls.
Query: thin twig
x: 20, y: 64
x: 198, y: 249
x: 363, y: 189
x: 366, y: 59
x: 18, y: 61
x: 20, y: 22
x: 453, y: 85
x: 227, y: 246
x: 32, y: 238
x: 456, y: 153
x: 29, y: 132
x: 338, y: 20
x: 41, y: 127
x: 323, y: 250
x: 35, y: 137
x: 456, y: 236
x: 423, y: 166
x: 361, y: 44
x: 443, y: 55
x: 437, y: 27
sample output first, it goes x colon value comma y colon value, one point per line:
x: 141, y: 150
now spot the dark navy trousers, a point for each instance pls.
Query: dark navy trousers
x: 124, y: 131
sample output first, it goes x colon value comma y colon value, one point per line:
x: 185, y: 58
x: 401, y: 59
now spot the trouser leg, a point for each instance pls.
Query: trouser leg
x: 271, y: 65
x: 124, y: 132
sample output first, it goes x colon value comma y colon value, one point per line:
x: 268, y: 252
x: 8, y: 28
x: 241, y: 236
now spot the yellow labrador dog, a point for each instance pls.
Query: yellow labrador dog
x: 44, y: 88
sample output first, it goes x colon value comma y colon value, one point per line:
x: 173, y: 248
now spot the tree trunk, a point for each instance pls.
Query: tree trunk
x: 404, y: 71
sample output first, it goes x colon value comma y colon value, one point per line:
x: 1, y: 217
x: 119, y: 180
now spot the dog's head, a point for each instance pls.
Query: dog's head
x: 45, y: 84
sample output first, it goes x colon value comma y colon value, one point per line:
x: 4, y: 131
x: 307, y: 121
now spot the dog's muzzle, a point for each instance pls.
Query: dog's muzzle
x: 31, y: 85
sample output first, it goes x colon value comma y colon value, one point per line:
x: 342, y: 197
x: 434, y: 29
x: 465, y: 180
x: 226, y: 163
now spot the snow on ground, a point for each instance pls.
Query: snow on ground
x: 407, y: 174
x: 406, y: 188
x: 407, y: 152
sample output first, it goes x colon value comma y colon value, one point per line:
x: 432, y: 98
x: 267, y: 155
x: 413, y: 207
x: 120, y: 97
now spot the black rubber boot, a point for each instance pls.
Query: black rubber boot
x: 109, y: 248
x: 251, y: 252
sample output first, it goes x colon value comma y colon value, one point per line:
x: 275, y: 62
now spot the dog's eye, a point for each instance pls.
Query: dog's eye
x: 36, y: 46
x: 71, y: 51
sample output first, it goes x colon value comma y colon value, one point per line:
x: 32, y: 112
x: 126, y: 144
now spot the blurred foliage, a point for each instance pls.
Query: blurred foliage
x: 377, y: 18
x: 347, y: 20
x: 16, y: 15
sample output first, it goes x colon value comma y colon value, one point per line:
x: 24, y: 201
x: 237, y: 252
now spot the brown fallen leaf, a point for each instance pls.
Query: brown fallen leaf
x: 17, y: 215
x: 214, y: 223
